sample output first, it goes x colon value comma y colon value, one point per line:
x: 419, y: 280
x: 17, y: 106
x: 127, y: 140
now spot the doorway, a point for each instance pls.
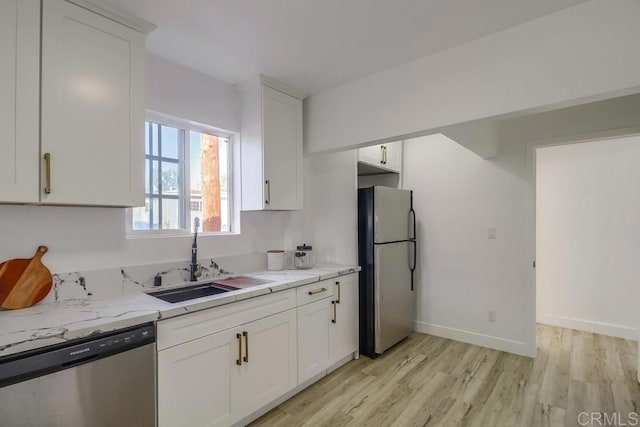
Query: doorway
x: 588, y: 235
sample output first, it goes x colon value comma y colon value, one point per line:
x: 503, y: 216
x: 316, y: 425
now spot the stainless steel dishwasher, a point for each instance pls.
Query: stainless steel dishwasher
x: 107, y: 380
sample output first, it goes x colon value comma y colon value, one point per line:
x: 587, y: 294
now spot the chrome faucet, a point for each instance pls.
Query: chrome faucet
x: 194, y: 267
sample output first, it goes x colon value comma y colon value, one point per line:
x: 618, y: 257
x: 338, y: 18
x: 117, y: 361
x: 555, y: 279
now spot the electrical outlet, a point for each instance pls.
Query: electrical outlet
x: 491, y: 316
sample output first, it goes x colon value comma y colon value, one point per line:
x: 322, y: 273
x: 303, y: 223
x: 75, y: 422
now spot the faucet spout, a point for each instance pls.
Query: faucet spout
x: 194, y: 268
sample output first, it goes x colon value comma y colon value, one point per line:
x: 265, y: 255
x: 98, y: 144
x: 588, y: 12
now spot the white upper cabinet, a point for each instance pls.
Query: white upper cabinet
x: 71, y: 104
x: 381, y: 158
x: 19, y: 100
x: 92, y: 122
x: 271, y: 147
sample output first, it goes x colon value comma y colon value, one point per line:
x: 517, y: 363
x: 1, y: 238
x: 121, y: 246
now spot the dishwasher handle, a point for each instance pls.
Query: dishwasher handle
x: 39, y: 362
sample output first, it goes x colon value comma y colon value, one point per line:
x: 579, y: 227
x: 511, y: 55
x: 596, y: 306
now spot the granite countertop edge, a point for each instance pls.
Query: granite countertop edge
x: 57, y: 322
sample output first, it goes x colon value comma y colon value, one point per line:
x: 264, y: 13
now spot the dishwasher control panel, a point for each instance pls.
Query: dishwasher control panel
x: 30, y: 364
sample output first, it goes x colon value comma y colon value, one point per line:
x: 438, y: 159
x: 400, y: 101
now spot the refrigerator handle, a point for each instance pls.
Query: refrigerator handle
x: 413, y: 223
x: 413, y: 240
x: 412, y: 267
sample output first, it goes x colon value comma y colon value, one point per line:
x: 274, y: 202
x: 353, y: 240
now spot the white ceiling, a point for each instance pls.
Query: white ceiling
x: 314, y: 45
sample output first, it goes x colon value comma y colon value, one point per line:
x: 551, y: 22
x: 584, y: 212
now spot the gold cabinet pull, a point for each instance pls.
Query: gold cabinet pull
x: 317, y: 291
x: 338, y: 300
x: 268, y: 184
x: 246, y: 346
x: 47, y: 173
x: 335, y: 318
x: 239, y: 360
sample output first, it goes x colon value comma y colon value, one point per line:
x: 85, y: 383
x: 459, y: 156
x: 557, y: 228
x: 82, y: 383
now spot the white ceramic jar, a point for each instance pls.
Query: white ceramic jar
x: 275, y: 259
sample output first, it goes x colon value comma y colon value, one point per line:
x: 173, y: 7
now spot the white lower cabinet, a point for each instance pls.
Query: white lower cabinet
x: 328, y: 328
x: 197, y: 381
x: 269, y: 365
x: 343, y: 333
x: 313, y: 338
x: 219, y: 366
x: 221, y: 378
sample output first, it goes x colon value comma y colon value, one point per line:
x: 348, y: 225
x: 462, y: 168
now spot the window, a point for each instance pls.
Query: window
x: 187, y: 175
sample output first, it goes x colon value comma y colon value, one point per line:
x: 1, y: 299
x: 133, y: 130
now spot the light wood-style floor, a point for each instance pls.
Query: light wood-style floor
x: 430, y: 381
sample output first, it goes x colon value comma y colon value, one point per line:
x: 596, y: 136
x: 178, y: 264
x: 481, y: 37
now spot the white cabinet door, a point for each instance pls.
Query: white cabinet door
x: 373, y: 155
x: 270, y: 148
x: 393, y: 156
x: 383, y: 158
x: 92, y: 119
x: 221, y: 378
x: 198, y: 382
x: 269, y: 367
x: 343, y: 334
x: 313, y: 338
x: 282, y: 139
x: 19, y: 100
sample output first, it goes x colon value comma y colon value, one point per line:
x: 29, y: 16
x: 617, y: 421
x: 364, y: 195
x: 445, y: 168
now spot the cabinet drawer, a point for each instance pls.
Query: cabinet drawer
x: 185, y: 328
x: 314, y: 291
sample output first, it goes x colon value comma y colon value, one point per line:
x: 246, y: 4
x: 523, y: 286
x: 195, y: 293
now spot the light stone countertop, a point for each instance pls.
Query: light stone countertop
x: 54, y: 322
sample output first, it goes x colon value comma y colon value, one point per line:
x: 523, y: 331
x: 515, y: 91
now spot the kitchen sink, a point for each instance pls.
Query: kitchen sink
x: 188, y: 292
x: 201, y: 290
x: 239, y: 282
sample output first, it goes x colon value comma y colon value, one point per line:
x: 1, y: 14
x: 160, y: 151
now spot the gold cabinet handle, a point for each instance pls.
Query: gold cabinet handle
x: 335, y: 318
x: 246, y: 346
x: 268, y: 184
x: 239, y: 360
x: 317, y: 291
x: 338, y: 300
x: 47, y: 173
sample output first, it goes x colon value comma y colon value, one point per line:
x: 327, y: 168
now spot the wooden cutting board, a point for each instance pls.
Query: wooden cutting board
x: 24, y: 282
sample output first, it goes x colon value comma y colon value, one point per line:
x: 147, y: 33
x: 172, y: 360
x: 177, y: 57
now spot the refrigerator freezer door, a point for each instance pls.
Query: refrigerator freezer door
x: 394, y: 300
x: 391, y: 214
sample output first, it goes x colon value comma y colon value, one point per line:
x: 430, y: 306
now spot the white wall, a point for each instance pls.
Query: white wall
x: 459, y: 195
x: 329, y: 221
x: 463, y: 274
x: 180, y: 92
x: 583, y: 52
x: 88, y: 238
x: 588, y: 236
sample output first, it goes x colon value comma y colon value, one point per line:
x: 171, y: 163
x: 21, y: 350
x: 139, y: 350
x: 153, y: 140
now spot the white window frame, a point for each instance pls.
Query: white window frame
x: 232, y: 166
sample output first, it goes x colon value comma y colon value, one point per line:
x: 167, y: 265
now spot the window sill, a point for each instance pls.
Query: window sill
x: 172, y: 234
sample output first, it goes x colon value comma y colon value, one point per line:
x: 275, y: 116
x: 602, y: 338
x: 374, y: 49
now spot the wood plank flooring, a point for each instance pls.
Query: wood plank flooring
x: 430, y: 381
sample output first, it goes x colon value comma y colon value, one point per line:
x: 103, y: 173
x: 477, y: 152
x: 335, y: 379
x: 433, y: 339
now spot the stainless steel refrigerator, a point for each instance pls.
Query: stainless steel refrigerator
x: 387, y: 255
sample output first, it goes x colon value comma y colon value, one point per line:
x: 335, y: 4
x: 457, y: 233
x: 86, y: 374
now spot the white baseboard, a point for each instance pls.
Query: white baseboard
x: 469, y: 337
x: 588, y: 326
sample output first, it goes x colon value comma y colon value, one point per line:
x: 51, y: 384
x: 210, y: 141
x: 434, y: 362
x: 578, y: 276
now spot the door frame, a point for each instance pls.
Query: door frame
x: 531, y: 147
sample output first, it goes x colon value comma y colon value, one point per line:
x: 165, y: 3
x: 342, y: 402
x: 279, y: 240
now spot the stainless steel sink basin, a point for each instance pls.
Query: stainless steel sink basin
x: 188, y: 292
x: 201, y: 290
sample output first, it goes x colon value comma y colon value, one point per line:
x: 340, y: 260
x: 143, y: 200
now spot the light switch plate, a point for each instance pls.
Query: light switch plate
x: 491, y: 232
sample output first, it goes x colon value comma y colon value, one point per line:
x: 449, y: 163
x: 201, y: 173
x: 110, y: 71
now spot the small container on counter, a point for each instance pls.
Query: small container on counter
x: 304, y: 257
x: 275, y: 259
